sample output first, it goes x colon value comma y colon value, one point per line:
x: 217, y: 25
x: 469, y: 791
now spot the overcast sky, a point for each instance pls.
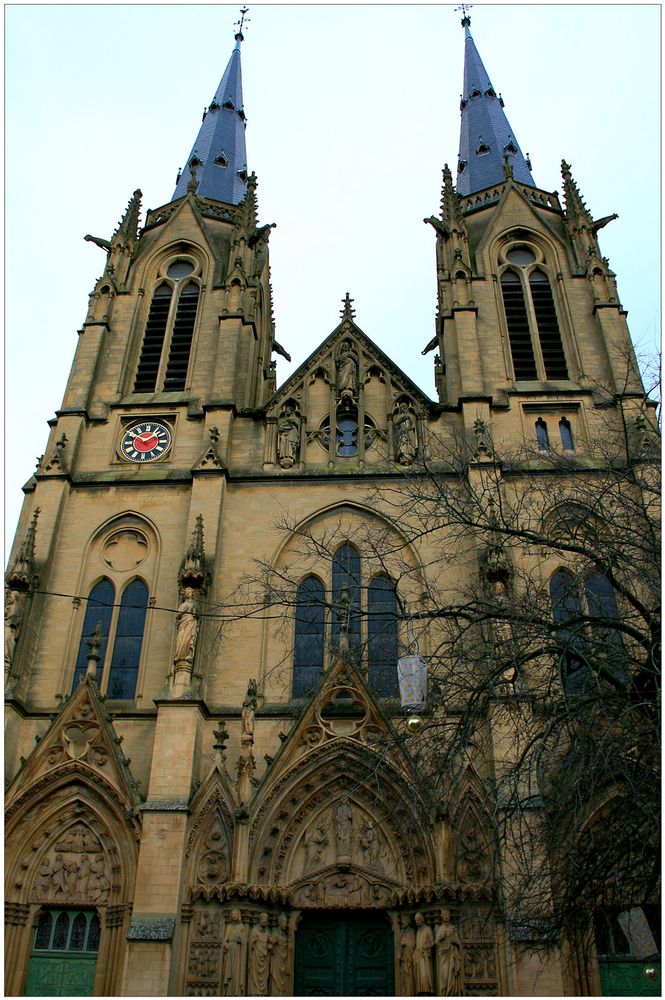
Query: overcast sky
x: 352, y: 111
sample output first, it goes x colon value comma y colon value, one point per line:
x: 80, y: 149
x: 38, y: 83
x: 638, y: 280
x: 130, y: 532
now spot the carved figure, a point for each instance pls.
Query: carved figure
x: 279, y: 958
x: 407, y: 947
x: 260, y: 944
x: 98, y: 884
x: 232, y: 955
x: 13, y: 618
x: 288, y: 437
x: 406, y: 436
x: 343, y: 826
x: 370, y: 845
x: 59, y: 875
x: 82, y: 875
x: 187, y: 622
x: 315, y: 844
x: 347, y: 370
x: 247, y: 714
x: 449, y: 958
x: 422, y: 958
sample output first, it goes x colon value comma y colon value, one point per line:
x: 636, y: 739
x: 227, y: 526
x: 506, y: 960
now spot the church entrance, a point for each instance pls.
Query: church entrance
x: 64, y: 954
x: 348, y: 954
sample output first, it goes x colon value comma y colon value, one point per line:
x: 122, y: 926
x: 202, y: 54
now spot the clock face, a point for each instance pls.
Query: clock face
x: 146, y: 441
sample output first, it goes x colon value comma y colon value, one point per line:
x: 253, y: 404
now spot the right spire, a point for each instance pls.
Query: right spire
x: 487, y: 143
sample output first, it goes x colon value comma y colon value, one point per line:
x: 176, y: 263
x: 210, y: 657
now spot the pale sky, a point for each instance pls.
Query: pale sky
x: 352, y: 111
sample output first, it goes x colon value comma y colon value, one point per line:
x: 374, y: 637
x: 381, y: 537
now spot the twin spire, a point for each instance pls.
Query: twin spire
x: 487, y: 142
x: 217, y: 164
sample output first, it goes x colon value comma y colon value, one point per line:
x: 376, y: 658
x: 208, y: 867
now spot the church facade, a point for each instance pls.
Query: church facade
x: 207, y: 796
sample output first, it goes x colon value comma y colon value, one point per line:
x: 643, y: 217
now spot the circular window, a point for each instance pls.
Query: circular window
x: 521, y: 256
x: 180, y: 269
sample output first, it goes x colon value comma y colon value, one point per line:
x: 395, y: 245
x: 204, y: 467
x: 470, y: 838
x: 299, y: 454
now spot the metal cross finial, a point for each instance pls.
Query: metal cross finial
x: 240, y: 24
x: 465, y: 8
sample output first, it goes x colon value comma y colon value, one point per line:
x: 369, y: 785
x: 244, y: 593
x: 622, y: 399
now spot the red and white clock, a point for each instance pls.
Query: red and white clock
x: 145, y: 441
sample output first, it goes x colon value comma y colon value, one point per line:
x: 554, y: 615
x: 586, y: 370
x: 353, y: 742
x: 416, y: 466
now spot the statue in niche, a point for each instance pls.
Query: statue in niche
x: 343, y: 826
x: 370, y: 845
x: 472, y: 865
x: 406, y: 435
x: 422, y: 958
x: 248, y: 714
x: 260, y: 944
x: 449, y: 958
x: 407, y: 947
x: 279, y: 958
x: 288, y: 437
x: 315, y: 844
x: 347, y: 371
x: 232, y: 956
x: 13, y: 619
x: 187, y: 623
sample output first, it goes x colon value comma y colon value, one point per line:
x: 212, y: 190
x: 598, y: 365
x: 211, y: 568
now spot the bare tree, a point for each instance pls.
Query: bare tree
x: 535, y: 597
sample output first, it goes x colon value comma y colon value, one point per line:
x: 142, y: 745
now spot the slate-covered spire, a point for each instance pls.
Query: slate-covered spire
x: 487, y: 141
x: 218, y: 157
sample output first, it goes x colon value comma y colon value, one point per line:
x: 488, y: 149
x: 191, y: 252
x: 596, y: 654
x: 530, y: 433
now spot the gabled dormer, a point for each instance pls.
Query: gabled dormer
x: 347, y: 407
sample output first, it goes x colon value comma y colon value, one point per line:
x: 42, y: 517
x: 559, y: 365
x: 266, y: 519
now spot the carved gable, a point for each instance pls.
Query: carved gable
x: 347, y: 404
x: 339, y: 815
x: 81, y: 740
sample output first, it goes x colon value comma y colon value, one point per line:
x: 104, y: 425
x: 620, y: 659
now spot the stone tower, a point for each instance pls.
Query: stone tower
x: 211, y: 789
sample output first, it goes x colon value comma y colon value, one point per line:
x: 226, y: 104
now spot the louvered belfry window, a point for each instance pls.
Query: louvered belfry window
x: 536, y: 346
x: 167, y: 340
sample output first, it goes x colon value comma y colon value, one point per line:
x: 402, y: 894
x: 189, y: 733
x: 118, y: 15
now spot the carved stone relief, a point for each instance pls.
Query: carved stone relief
x: 212, y: 864
x: 74, y: 870
x: 345, y: 833
x: 205, y: 952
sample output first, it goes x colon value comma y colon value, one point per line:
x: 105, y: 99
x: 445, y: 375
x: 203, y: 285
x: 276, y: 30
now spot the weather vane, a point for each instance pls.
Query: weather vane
x: 239, y: 24
x: 465, y: 8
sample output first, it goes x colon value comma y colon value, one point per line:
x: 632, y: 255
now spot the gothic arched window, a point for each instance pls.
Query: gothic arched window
x: 121, y: 637
x: 382, y: 637
x: 542, y: 437
x: 365, y: 617
x: 128, y: 641
x: 167, y: 340
x: 99, y: 610
x: 346, y: 594
x: 566, y: 432
x: 586, y: 627
x: 568, y: 617
x: 535, y: 341
x: 309, y: 637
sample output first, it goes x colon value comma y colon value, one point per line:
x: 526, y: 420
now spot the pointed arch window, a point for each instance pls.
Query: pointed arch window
x: 310, y: 636
x: 167, y: 340
x: 122, y: 629
x: 346, y: 595
x: 542, y: 436
x: 367, y: 616
x: 382, y: 637
x: 585, y: 627
x: 566, y: 432
x: 536, y: 346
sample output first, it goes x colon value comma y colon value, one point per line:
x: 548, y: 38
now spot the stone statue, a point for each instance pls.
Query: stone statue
x: 406, y: 436
x: 315, y: 844
x: 232, y: 956
x: 288, y: 437
x: 450, y: 973
x: 279, y: 958
x: 260, y: 944
x: 407, y: 947
x: 247, y: 715
x: 370, y: 845
x: 343, y: 826
x: 422, y: 958
x: 187, y: 621
x: 347, y: 370
x: 13, y: 619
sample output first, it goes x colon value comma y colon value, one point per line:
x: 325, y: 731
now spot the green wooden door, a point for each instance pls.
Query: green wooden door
x: 64, y: 954
x: 629, y: 978
x: 344, y: 956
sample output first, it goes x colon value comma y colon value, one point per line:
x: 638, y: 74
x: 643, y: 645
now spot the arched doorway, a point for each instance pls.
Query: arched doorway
x: 344, y: 953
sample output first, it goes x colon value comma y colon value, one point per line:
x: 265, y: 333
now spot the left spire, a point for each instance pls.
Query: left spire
x: 218, y: 159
